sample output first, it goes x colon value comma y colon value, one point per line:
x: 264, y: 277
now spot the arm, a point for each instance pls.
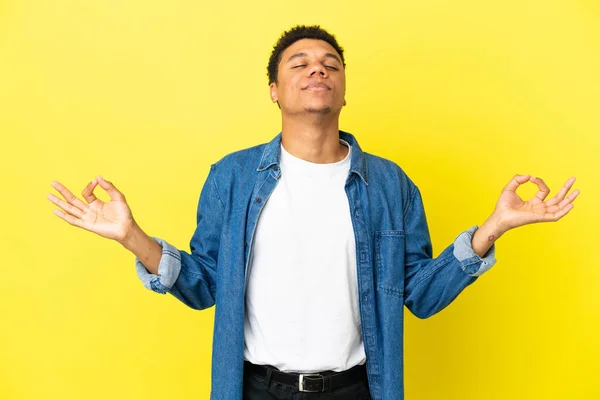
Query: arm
x: 190, y: 277
x: 431, y: 284
x: 147, y: 250
x: 485, y: 236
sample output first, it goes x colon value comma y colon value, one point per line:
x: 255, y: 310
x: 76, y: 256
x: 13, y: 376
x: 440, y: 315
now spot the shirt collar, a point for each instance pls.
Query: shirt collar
x: 358, y: 161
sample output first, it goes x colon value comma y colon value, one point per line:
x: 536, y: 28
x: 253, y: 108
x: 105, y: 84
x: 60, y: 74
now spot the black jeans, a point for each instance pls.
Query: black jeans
x: 256, y: 388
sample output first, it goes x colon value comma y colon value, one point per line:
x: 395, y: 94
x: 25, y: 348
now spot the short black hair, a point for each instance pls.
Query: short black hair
x: 296, y: 33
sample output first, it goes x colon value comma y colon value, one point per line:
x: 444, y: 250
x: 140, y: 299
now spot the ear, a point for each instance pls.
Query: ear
x: 273, y: 92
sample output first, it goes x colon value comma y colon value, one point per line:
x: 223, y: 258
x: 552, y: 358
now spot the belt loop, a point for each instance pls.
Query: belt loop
x: 268, y: 377
x: 326, y: 382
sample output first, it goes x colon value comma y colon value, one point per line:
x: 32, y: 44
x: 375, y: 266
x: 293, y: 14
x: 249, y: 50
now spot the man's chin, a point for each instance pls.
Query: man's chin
x: 318, y: 110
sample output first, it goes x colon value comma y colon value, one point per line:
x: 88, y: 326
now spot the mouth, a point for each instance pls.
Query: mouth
x: 317, y: 86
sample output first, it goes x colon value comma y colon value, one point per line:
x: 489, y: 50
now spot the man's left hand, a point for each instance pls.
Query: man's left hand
x: 511, y: 211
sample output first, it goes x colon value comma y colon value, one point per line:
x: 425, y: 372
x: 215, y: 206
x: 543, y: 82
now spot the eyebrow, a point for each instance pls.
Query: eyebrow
x: 298, y: 55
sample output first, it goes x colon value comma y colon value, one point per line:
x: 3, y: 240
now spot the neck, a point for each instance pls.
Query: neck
x: 315, y: 139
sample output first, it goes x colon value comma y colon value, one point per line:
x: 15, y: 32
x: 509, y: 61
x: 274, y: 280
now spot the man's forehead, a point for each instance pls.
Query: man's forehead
x: 308, y: 46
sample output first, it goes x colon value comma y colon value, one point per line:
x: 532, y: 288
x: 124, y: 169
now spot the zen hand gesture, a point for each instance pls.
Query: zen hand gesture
x: 511, y: 211
x: 111, y: 220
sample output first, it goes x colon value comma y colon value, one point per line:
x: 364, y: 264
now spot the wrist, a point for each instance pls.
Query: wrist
x: 131, y: 236
x: 493, y: 227
x: 485, y: 236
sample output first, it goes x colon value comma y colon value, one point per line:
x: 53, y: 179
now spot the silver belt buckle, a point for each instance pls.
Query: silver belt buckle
x: 301, y: 383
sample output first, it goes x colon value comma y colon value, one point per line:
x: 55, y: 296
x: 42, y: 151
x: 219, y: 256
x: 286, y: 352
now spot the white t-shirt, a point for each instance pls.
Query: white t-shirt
x: 302, y: 295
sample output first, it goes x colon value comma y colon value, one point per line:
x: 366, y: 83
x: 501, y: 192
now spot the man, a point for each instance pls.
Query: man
x: 309, y: 247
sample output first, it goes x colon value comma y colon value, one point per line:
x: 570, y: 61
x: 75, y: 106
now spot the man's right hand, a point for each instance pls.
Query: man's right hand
x: 112, y: 219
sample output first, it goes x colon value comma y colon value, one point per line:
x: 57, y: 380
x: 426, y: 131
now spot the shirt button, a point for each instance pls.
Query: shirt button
x: 245, y: 244
x: 258, y: 199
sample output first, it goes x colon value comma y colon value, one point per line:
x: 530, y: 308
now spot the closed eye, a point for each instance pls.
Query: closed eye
x: 327, y: 66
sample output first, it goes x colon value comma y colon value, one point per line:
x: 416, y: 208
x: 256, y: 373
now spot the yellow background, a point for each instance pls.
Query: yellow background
x: 462, y: 94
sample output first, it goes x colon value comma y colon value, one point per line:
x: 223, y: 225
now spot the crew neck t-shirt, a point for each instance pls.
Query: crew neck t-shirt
x: 302, y: 295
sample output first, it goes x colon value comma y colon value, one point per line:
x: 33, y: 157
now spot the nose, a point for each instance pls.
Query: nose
x: 318, y: 68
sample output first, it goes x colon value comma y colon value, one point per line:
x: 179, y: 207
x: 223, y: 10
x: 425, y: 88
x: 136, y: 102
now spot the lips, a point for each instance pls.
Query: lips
x: 317, y: 85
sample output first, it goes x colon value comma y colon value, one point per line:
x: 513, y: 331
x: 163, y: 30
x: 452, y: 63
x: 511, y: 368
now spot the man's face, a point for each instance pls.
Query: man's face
x: 311, y: 78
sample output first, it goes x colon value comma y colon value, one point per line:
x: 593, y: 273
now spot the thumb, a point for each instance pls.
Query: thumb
x: 112, y: 191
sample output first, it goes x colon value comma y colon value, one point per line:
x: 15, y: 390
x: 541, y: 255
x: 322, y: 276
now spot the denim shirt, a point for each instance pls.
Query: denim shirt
x: 395, y: 267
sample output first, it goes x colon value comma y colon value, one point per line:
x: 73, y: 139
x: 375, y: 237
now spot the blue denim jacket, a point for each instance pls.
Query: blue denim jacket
x: 393, y: 256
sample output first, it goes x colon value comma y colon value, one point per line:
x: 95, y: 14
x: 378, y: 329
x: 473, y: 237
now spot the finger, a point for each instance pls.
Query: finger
x: 569, y: 199
x: 557, y: 207
x: 110, y: 189
x: 69, y: 218
x: 71, y: 209
x: 88, y: 192
x: 69, y: 197
x: 517, y: 181
x: 543, y: 191
x: 555, y: 216
x: 561, y: 193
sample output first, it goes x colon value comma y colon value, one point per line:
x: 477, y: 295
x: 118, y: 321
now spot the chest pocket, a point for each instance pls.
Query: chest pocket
x: 389, y: 250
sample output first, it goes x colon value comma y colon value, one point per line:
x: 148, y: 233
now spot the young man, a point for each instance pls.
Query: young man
x: 309, y: 247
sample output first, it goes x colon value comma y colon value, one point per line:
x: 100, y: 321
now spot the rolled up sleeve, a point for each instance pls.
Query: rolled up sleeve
x: 470, y: 262
x: 169, y: 268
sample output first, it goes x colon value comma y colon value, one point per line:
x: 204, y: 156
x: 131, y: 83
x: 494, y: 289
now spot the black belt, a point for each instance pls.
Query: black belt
x: 310, y: 382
